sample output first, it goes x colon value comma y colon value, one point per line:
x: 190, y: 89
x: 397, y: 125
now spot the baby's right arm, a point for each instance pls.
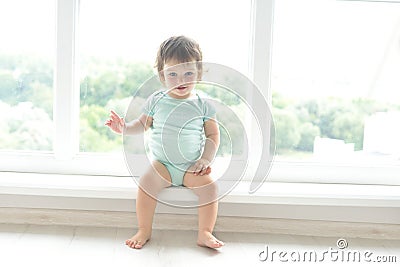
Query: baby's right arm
x: 118, y: 125
x: 141, y: 124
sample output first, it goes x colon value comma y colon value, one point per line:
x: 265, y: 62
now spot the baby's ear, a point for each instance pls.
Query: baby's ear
x: 162, y: 77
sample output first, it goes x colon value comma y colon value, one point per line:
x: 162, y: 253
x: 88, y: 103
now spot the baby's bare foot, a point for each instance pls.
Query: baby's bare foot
x: 206, y: 239
x: 137, y: 241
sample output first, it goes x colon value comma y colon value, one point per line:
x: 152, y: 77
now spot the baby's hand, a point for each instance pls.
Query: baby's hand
x: 115, y: 122
x: 201, y: 167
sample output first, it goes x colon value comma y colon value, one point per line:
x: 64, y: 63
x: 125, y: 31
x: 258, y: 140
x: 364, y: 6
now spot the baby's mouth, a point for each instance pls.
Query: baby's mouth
x: 181, y: 87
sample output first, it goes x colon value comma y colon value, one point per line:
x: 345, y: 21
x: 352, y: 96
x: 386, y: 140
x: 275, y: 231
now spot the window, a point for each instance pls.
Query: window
x: 332, y: 88
x: 335, y: 82
x: 26, y: 75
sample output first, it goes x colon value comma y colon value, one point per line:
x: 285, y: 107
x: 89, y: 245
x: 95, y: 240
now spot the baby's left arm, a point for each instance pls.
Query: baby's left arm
x: 211, y: 131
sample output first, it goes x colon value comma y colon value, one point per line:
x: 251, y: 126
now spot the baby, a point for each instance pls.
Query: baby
x: 179, y: 119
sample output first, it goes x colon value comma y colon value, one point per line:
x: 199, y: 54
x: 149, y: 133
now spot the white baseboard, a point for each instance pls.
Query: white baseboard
x: 189, y: 222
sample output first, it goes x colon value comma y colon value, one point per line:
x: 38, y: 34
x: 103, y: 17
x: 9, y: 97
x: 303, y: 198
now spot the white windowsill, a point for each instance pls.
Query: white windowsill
x: 340, y: 202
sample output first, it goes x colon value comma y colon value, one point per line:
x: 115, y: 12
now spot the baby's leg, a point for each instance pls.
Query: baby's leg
x: 208, y: 207
x: 151, y: 183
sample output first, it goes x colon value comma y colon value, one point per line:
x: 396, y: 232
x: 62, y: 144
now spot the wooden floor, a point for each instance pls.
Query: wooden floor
x: 35, y: 245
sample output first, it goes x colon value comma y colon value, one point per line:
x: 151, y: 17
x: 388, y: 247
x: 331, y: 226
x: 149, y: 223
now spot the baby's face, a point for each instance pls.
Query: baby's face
x: 180, y: 78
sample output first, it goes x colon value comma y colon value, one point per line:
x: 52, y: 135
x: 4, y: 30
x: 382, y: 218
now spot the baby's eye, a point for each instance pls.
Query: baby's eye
x: 189, y: 73
x: 172, y: 74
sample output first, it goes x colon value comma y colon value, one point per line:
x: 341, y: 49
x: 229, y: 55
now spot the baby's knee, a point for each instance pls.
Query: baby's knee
x: 212, y: 188
x: 208, y: 193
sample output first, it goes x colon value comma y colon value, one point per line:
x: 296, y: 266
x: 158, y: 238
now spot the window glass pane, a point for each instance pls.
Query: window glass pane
x: 27, y: 30
x: 335, y: 81
x: 118, y: 43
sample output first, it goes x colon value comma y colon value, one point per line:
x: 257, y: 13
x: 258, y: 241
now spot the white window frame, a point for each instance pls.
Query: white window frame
x: 66, y: 158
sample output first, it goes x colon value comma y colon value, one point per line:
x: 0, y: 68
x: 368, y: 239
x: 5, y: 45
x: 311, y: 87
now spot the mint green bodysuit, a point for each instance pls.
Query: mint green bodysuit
x: 177, y: 133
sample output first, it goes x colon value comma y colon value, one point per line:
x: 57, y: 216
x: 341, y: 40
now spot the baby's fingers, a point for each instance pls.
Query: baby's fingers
x: 197, y: 169
x: 115, y: 116
x: 108, y: 122
x: 205, y: 170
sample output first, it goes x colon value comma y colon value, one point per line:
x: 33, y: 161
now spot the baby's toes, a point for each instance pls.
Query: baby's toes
x: 215, y: 244
x: 138, y: 244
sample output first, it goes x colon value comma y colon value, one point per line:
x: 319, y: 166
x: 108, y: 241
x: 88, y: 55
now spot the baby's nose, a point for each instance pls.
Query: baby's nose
x: 181, y: 79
